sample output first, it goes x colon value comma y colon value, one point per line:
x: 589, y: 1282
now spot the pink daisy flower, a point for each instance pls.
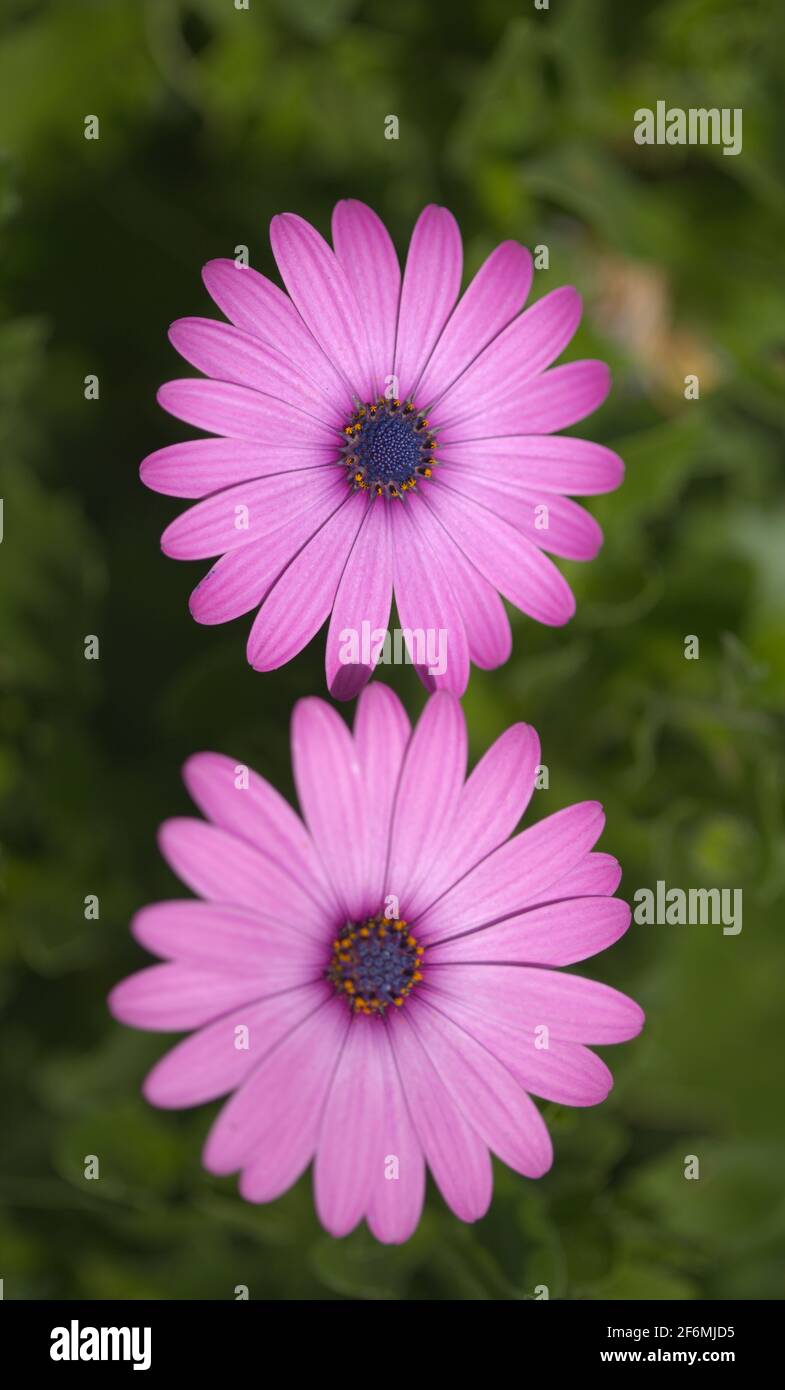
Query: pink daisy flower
x: 373, y: 434
x: 378, y: 985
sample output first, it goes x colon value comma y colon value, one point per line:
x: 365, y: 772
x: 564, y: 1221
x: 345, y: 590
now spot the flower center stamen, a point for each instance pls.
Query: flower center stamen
x: 388, y: 446
x: 375, y: 963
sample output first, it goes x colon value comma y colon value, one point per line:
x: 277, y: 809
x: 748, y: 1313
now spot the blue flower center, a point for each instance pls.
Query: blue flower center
x: 375, y: 963
x: 388, y: 447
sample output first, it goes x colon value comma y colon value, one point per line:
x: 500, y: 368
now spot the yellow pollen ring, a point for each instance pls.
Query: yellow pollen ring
x: 363, y: 466
x: 375, y: 964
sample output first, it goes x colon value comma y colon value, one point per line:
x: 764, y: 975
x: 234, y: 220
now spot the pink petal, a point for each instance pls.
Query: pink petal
x: 239, y: 413
x: 240, y: 579
x: 485, y: 618
x: 210, y: 1063
x: 230, y: 354
x: 551, y: 401
x: 234, y: 797
x: 362, y: 604
x: 221, y: 868
x: 429, y: 614
x: 555, y: 463
x: 365, y: 250
x: 559, y: 933
x: 398, y: 1189
x: 454, y: 1152
x: 495, y: 295
x: 302, y: 596
x: 516, y: 874
x: 526, y: 347
x: 261, y: 308
x: 549, y: 521
x: 270, y: 1125
x: 197, y: 467
x: 431, y: 282
x: 564, y: 1072
x: 492, y: 1101
x: 520, y: 996
x: 597, y: 874
x: 482, y: 612
x: 429, y: 788
x: 350, y: 1157
x: 238, y: 582
x: 510, y: 562
x: 321, y: 292
x: 381, y: 734
x: 495, y: 796
x: 171, y: 998
x: 230, y: 940
x: 331, y: 789
x: 490, y: 805
x: 240, y: 515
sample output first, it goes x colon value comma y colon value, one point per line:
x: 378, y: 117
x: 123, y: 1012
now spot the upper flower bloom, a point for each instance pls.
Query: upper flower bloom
x: 379, y: 986
x: 375, y: 435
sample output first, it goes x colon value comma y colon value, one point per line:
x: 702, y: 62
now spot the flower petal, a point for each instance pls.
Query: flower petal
x: 454, y: 1152
x: 321, y: 292
x: 517, y: 873
x: 255, y: 304
x: 572, y: 1008
x: 431, y: 621
x: 222, y: 868
x: 526, y: 347
x: 230, y: 354
x: 236, y: 798
x: 551, y: 401
x: 230, y: 940
x: 171, y: 998
x: 381, y: 734
x: 331, y: 789
x: 398, y: 1189
x: 553, y: 523
x: 197, y: 467
x: 361, y: 609
x: 596, y: 875
x: 431, y: 282
x: 303, y: 594
x: 558, y: 933
x: 490, y: 805
x: 240, y: 515
x: 270, y: 1125
x: 564, y: 1072
x: 365, y: 250
x: 495, y: 295
x: 429, y: 788
x: 350, y: 1156
x: 240, y: 579
x: 212, y: 1062
x: 555, y: 463
x: 506, y: 558
x: 240, y: 413
x: 485, y: 622
x: 491, y: 1099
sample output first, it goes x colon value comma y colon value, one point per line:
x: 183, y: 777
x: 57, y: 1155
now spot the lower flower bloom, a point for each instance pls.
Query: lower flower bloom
x: 377, y: 985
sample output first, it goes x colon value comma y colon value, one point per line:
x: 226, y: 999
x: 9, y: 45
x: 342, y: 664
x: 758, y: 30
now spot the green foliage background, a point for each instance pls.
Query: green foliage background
x: 213, y: 119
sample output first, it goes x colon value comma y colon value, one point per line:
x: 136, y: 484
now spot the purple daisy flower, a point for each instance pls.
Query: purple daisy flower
x: 377, y: 985
x: 376, y: 435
